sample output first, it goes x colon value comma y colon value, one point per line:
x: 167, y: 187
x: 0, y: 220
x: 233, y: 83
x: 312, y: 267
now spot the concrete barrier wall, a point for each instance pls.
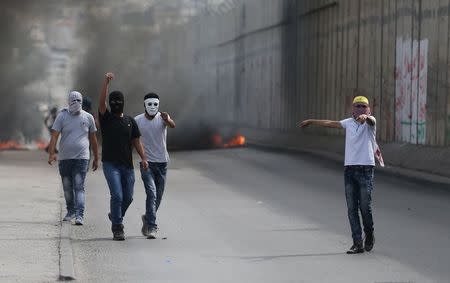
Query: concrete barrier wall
x: 267, y: 64
x: 279, y: 61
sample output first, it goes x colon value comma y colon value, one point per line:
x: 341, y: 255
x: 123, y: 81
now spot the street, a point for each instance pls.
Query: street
x: 235, y: 215
x: 245, y: 215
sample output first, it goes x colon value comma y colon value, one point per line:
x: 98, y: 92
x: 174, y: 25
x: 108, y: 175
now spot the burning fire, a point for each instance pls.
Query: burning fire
x: 8, y: 145
x: 15, y: 145
x: 236, y: 141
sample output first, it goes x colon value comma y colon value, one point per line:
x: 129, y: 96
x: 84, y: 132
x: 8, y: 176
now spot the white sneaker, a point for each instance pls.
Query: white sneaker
x: 152, y: 233
x: 78, y: 221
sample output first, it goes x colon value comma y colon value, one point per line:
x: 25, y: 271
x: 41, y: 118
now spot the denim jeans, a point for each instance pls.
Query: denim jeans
x: 358, y: 192
x: 154, y: 182
x: 73, y: 174
x: 120, y: 181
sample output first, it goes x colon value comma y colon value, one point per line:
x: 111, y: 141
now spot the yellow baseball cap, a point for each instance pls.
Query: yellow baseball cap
x: 361, y: 99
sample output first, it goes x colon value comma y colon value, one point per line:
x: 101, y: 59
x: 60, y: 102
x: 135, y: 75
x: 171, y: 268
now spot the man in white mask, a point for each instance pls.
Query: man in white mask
x: 153, y: 127
x: 75, y: 102
x: 77, y: 129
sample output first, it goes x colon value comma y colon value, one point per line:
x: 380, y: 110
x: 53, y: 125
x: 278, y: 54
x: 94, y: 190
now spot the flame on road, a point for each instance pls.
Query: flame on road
x: 236, y: 141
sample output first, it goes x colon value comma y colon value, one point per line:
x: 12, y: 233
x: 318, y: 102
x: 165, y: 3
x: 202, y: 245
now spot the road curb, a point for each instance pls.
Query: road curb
x: 66, y: 268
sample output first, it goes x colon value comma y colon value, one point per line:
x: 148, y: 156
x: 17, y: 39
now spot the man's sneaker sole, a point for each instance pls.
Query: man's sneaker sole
x: 355, y: 252
x: 151, y: 236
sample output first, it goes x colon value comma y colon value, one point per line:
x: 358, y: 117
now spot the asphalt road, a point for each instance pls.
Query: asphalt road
x: 245, y: 215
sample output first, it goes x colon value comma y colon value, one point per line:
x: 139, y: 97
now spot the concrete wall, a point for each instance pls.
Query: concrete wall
x: 267, y: 64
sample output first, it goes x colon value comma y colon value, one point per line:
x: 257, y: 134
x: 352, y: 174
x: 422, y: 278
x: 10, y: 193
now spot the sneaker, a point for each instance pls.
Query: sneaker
x: 357, y: 248
x: 118, y: 233
x: 152, y: 233
x: 369, y: 242
x: 144, y: 229
x: 78, y: 221
x: 69, y: 216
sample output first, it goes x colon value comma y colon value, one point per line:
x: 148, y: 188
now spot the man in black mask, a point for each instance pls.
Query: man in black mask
x: 119, y: 134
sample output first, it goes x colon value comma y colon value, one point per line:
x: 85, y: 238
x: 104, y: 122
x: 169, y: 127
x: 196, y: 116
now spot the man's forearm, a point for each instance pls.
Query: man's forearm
x: 139, y: 148
x: 94, y: 144
x: 52, y: 144
x: 102, y: 102
x: 371, y: 120
x: 325, y: 123
x: 170, y: 123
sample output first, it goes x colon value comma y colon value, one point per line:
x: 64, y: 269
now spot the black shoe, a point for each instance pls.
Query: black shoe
x: 118, y: 233
x: 357, y: 248
x: 369, y: 242
x: 144, y: 229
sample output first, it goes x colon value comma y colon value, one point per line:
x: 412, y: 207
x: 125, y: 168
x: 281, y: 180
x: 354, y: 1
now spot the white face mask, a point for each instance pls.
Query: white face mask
x: 151, y: 106
x: 75, y: 102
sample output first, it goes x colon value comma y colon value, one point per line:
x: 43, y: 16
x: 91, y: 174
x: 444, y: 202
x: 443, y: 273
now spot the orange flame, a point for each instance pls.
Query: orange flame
x: 7, y: 145
x: 237, y: 141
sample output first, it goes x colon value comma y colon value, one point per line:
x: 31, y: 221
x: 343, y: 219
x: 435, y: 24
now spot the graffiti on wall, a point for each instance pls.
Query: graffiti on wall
x: 411, y: 72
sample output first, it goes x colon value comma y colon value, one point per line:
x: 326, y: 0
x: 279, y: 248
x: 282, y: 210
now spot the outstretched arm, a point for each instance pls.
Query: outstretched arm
x: 102, y: 103
x: 323, y: 123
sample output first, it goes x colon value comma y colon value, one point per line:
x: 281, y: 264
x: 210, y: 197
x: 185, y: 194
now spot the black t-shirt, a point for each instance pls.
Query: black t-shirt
x: 117, y: 136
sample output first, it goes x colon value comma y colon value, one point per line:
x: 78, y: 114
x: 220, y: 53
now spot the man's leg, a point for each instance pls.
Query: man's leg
x: 150, y: 190
x: 160, y: 182
x: 127, y: 180
x: 78, y: 177
x: 365, y: 200
x: 112, y: 175
x: 65, y: 170
x: 352, y: 197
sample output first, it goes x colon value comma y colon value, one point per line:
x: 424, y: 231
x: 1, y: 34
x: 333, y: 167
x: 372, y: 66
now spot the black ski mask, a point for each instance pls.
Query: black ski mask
x: 116, y: 102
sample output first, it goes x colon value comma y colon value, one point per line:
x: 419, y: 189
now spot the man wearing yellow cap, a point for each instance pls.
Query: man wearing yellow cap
x: 361, y: 150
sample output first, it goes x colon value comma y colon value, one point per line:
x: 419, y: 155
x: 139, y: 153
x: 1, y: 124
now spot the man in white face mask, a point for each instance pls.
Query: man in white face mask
x: 153, y: 127
x: 77, y: 129
x: 75, y: 102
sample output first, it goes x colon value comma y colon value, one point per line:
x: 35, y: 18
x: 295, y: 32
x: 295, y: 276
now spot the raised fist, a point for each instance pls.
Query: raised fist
x: 109, y: 77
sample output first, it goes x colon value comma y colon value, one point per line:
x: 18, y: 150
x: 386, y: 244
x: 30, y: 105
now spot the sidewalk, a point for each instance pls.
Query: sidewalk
x: 30, y: 207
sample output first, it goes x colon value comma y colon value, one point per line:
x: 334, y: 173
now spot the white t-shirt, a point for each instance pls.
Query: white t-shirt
x: 359, y: 142
x: 154, y: 136
x: 75, y: 130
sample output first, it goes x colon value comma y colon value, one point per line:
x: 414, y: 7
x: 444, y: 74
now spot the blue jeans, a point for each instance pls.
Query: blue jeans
x: 358, y: 192
x: 154, y: 182
x: 73, y: 174
x: 120, y: 181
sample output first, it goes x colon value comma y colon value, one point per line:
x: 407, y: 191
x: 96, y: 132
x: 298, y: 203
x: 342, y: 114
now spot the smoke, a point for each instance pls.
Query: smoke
x: 149, y: 50
x: 22, y: 62
x: 151, y: 46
